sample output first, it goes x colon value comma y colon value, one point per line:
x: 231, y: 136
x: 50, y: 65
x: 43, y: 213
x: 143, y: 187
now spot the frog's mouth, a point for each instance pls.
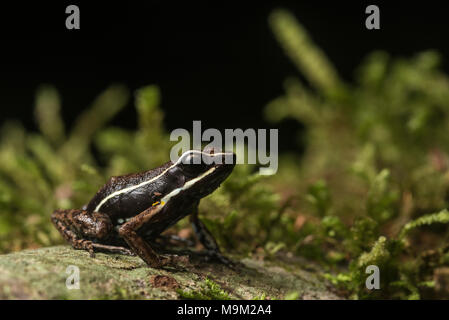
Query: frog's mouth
x: 195, y: 187
x: 215, y: 178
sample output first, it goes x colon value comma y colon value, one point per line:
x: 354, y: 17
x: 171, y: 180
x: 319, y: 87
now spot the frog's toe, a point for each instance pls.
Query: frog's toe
x: 218, y: 257
x: 90, y: 249
x: 173, y: 260
x: 128, y: 252
x: 84, y: 245
x: 113, y: 249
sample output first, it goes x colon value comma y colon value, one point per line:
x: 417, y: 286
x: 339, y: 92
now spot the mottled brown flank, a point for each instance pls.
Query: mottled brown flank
x: 160, y: 281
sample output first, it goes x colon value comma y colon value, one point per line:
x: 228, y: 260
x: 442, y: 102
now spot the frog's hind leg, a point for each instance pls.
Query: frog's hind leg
x: 207, y: 239
x: 80, y: 227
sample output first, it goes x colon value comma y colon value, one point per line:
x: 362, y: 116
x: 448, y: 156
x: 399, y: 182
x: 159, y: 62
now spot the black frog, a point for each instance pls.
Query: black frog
x: 130, y: 211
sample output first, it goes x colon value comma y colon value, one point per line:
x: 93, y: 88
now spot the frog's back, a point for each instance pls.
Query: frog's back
x: 108, y: 198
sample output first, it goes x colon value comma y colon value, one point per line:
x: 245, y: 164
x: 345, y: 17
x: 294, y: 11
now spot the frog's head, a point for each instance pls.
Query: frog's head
x: 204, y: 171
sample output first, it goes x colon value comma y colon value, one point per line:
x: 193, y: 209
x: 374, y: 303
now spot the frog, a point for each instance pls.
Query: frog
x: 129, y: 212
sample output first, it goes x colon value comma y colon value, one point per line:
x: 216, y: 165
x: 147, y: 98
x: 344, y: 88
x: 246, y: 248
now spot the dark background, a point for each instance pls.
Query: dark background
x: 214, y: 61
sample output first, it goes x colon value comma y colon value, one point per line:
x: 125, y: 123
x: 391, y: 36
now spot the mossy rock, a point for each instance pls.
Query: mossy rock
x: 41, y: 274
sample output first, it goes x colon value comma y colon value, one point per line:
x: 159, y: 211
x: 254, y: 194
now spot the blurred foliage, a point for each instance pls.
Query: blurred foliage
x: 375, y: 166
x: 370, y: 189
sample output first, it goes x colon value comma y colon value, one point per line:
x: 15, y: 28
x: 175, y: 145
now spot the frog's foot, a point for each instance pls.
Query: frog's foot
x: 112, y: 249
x: 173, y: 260
x: 82, y: 244
x: 208, y: 241
x: 93, y: 247
x: 219, y: 257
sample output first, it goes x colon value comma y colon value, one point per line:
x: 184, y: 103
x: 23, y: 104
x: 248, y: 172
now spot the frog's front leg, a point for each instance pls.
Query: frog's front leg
x: 207, y: 239
x: 128, y: 231
x: 77, y: 225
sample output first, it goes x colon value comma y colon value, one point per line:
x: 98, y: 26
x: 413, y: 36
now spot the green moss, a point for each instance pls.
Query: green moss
x: 440, y: 217
x: 292, y: 295
x: 209, y: 291
x: 375, y: 164
x: 119, y: 293
x: 263, y: 296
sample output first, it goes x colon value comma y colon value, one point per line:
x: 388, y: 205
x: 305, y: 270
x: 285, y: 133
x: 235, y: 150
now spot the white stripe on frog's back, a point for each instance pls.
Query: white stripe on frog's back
x: 128, y: 189
x: 177, y: 191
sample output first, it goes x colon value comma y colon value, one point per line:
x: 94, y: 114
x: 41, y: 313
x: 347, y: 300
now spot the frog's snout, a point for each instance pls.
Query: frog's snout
x: 228, y: 158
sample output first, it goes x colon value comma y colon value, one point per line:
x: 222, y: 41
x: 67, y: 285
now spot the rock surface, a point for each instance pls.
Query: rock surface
x: 42, y: 274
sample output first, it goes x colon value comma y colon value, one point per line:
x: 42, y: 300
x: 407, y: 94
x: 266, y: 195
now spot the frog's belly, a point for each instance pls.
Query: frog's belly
x: 125, y: 207
x: 152, y: 228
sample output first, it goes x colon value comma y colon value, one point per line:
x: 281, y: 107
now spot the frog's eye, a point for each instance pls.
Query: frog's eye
x: 194, y: 169
x: 191, y: 158
x: 192, y: 164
